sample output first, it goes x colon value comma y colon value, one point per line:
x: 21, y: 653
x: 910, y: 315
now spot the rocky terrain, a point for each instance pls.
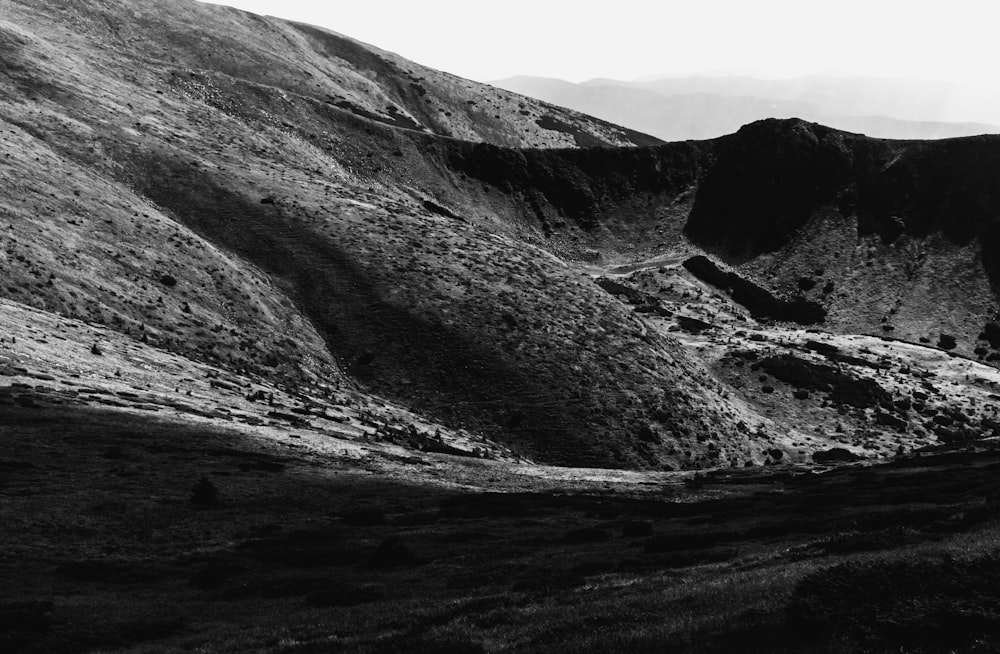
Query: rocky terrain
x: 317, y: 318
x: 259, y: 227
x: 217, y: 201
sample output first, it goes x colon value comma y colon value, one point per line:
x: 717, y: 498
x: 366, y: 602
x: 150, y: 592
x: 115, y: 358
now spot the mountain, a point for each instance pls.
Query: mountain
x: 707, y: 107
x: 941, y: 101
x: 286, y: 206
x: 284, y: 203
x: 305, y: 347
x: 905, y: 231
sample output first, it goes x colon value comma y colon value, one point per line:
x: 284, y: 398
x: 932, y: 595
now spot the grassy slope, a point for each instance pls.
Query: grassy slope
x: 402, y: 249
x: 462, y: 323
x: 319, y: 555
x: 314, y: 63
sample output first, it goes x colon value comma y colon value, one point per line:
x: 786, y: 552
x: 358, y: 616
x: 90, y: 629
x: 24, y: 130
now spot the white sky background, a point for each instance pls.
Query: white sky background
x: 956, y: 41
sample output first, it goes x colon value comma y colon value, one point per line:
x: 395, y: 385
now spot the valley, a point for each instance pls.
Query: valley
x: 305, y: 347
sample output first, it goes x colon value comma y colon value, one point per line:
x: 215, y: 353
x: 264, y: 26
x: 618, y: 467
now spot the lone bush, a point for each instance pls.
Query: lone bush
x: 204, y: 493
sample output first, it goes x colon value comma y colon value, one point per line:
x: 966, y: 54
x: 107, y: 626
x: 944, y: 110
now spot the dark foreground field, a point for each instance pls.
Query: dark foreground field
x: 110, y: 543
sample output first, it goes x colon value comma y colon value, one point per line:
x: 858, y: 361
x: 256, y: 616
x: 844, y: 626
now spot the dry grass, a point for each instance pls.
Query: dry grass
x: 105, y: 550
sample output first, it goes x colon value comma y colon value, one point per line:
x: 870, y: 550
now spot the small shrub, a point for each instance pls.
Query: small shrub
x: 204, y: 493
x: 114, y: 452
x: 946, y: 342
x: 647, y: 434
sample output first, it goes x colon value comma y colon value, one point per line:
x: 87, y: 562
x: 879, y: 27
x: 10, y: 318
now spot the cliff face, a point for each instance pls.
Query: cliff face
x: 771, y: 177
x: 904, y: 231
x: 948, y: 188
x: 768, y: 180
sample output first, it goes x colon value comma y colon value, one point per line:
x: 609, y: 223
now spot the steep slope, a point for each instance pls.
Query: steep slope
x: 544, y: 297
x: 894, y: 238
x: 325, y: 234
x: 836, y: 232
x: 82, y: 245
x: 308, y: 62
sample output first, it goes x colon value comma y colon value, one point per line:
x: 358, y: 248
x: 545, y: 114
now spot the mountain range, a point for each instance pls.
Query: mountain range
x: 703, y: 107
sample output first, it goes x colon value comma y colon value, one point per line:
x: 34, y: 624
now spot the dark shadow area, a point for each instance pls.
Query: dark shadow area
x: 382, y: 345
x: 586, y: 186
x: 760, y: 302
x: 767, y: 180
x: 309, y: 550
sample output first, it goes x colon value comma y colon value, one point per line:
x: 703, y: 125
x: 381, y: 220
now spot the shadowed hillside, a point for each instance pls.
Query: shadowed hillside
x: 902, y: 234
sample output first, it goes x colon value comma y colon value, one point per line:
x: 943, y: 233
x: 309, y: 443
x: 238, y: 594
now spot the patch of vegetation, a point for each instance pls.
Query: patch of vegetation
x: 204, y: 493
x: 929, y: 604
x: 842, y: 387
x: 708, y: 568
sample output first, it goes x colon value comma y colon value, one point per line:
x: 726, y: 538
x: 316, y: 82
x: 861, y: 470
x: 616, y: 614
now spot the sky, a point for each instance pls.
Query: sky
x: 631, y: 39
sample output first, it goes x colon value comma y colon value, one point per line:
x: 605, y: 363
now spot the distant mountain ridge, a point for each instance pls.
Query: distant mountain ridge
x: 707, y: 107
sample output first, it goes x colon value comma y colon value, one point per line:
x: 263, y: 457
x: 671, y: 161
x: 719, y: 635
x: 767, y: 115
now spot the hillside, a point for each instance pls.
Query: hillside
x: 282, y: 203
x: 220, y: 210
x: 308, y: 348
x: 902, y: 232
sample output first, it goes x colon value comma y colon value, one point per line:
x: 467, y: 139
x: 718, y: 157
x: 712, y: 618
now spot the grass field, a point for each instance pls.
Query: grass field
x: 106, y: 548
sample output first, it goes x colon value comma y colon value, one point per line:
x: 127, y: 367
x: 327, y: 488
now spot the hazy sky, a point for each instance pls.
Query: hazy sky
x: 629, y: 39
